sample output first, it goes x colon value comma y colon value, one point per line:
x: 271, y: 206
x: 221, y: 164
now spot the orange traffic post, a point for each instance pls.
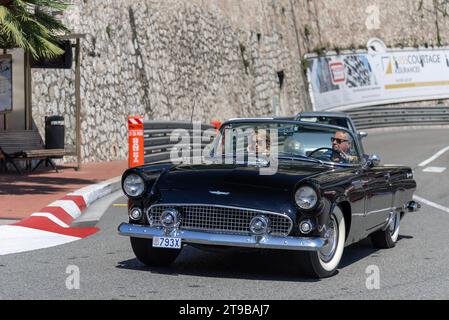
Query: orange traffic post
x: 136, y: 155
x: 216, y: 124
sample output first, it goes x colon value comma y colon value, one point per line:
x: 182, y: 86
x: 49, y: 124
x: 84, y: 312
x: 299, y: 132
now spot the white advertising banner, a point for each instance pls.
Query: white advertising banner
x: 346, y: 81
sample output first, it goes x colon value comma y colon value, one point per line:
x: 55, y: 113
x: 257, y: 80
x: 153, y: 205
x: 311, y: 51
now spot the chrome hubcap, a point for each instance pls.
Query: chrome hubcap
x: 328, y: 251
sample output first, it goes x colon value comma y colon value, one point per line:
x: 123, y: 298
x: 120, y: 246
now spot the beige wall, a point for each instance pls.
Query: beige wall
x: 16, y: 118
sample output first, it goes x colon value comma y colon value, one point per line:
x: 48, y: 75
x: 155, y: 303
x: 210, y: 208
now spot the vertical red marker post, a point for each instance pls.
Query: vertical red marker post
x: 136, y: 156
x: 216, y: 124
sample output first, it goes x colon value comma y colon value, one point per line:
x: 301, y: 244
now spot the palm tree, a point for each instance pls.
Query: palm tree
x: 29, y: 24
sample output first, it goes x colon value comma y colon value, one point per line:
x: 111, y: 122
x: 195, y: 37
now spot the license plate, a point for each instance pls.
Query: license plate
x: 167, y: 242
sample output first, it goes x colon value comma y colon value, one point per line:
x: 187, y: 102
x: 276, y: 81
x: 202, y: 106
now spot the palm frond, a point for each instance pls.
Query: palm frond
x: 49, y: 21
x: 9, y: 27
x: 29, y: 24
x: 46, y: 48
x: 51, y: 4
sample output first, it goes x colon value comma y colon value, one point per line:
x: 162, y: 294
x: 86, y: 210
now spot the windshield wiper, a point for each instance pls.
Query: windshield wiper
x: 242, y: 159
x: 299, y: 157
x: 262, y: 161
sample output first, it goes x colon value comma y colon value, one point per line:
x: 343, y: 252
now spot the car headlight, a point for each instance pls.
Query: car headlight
x: 133, y: 185
x: 306, y: 197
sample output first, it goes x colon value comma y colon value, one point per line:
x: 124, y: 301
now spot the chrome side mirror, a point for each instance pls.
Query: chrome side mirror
x: 375, y: 160
x: 363, y: 134
x: 372, y: 161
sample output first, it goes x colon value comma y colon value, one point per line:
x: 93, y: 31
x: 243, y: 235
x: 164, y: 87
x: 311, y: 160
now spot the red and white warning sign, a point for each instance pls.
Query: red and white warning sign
x: 338, y: 72
x: 136, y: 141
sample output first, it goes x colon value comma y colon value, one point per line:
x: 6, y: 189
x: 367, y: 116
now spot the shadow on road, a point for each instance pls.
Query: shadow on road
x: 357, y: 252
x: 361, y: 250
x: 264, y: 265
x: 28, y: 184
x: 255, y: 265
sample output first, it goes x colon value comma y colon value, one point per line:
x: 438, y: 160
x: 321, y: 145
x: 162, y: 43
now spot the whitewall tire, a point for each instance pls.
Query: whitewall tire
x: 324, y: 263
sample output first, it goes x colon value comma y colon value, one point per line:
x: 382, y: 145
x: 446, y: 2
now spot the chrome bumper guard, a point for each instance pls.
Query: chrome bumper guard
x: 199, y: 237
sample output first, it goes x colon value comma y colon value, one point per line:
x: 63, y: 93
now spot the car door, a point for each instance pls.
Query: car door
x: 379, y: 197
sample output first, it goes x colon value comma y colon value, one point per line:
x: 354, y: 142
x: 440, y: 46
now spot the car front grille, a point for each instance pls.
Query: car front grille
x: 220, y: 219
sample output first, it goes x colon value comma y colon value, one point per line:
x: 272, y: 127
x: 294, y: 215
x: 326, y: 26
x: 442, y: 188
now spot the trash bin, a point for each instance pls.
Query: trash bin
x: 54, y: 132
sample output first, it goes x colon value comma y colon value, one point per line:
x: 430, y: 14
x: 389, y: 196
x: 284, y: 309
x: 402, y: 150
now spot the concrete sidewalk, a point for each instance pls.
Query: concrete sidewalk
x: 21, y: 195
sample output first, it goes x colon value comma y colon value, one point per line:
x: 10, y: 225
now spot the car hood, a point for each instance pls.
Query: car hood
x: 235, y: 185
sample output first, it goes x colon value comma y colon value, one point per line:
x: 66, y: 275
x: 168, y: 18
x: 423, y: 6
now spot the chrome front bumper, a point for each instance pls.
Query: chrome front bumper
x: 199, y: 237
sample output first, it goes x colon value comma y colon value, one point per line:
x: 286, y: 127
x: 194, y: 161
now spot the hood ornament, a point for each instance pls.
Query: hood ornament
x: 220, y: 193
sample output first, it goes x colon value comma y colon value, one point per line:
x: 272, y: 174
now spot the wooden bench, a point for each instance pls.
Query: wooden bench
x: 18, y: 145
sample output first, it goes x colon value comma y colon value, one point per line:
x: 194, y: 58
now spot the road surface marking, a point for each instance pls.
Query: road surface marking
x: 434, y: 157
x: 432, y: 204
x: 119, y: 205
x: 14, y: 239
x: 434, y: 169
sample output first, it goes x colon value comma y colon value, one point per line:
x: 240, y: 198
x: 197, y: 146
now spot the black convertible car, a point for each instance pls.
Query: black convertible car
x: 269, y: 184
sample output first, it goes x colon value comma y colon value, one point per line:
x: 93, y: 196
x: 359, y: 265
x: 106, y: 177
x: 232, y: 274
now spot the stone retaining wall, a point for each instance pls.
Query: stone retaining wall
x: 204, y: 60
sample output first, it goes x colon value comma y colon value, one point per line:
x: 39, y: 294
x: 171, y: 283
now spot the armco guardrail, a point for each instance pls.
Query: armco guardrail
x: 159, y: 141
x: 389, y: 116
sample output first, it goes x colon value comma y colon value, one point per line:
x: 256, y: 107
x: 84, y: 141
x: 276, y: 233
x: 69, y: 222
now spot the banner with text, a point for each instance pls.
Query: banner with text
x: 136, y: 141
x: 360, y: 79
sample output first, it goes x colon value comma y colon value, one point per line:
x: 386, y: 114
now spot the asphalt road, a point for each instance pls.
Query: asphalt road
x: 418, y: 268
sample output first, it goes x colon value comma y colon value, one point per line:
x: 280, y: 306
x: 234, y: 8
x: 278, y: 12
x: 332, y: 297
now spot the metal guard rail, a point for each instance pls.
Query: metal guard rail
x: 157, y: 133
x: 157, y: 138
x: 388, y: 116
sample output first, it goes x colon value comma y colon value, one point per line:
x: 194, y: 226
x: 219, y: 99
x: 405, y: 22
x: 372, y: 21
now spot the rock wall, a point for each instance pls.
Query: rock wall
x: 349, y: 24
x: 204, y: 60
x: 168, y: 60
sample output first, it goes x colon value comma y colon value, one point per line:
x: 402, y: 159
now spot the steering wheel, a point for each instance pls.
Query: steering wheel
x: 334, y: 153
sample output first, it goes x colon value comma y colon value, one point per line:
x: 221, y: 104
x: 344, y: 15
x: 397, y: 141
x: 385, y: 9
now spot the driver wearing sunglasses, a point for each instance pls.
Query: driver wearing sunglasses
x: 341, y: 144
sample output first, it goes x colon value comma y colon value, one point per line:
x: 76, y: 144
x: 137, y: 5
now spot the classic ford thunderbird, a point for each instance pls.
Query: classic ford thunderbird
x: 269, y: 184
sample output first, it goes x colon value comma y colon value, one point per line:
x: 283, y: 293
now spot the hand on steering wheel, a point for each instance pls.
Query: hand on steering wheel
x: 334, y: 153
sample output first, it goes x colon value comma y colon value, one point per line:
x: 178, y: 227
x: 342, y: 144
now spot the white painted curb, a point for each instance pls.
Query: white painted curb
x: 15, y: 238
x: 97, y: 191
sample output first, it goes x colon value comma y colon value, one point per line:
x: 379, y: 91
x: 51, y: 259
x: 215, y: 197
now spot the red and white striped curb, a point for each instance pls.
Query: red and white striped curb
x: 51, y: 225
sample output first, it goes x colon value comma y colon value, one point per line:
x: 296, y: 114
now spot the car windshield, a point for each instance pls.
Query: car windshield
x: 333, y: 121
x: 292, y: 140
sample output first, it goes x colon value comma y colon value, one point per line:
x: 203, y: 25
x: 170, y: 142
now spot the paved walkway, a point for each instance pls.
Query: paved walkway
x: 21, y: 195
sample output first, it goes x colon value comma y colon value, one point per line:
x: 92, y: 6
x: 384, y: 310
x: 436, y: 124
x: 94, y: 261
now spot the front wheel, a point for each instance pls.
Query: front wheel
x: 324, y: 263
x: 153, y: 257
